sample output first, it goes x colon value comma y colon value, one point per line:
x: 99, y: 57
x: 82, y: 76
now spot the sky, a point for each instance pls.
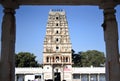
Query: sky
x: 84, y: 23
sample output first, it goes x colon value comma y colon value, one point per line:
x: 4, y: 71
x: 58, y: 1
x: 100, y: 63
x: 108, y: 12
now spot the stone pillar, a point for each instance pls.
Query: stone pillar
x: 0, y: 69
x: 89, y: 77
x: 8, y: 45
x: 111, y: 41
x: 98, y: 77
x: 15, y: 77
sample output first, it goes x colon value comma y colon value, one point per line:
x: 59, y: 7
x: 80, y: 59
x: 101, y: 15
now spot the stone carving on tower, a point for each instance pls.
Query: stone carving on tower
x: 57, y: 58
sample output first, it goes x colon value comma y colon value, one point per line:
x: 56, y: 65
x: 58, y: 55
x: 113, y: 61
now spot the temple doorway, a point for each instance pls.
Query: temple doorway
x: 57, y: 76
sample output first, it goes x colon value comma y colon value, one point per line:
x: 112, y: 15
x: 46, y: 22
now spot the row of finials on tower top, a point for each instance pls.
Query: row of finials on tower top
x: 56, y: 10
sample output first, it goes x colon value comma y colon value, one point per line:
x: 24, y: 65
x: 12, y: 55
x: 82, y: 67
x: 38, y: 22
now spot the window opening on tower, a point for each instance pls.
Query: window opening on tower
x: 57, y: 48
x: 66, y: 59
x: 57, y: 59
x: 56, y: 18
x: 56, y: 24
x: 57, y: 32
x: 56, y: 39
x: 47, y: 59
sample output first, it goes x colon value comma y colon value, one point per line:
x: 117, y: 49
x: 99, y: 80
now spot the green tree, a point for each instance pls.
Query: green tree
x: 76, y: 59
x: 88, y: 58
x: 73, y: 52
x: 25, y: 59
x: 92, y: 57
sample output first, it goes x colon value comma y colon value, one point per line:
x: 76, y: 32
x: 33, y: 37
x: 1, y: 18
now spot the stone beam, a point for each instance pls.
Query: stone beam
x: 58, y: 2
x: 55, y: 2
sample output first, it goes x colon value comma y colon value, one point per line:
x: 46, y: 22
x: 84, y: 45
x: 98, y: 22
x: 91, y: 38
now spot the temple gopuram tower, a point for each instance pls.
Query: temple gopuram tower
x: 57, y: 55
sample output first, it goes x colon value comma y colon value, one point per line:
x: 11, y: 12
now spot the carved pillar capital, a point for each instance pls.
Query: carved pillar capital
x: 9, y: 10
x: 107, y: 4
x: 110, y: 17
x: 11, y: 4
x: 109, y: 14
x: 109, y: 10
